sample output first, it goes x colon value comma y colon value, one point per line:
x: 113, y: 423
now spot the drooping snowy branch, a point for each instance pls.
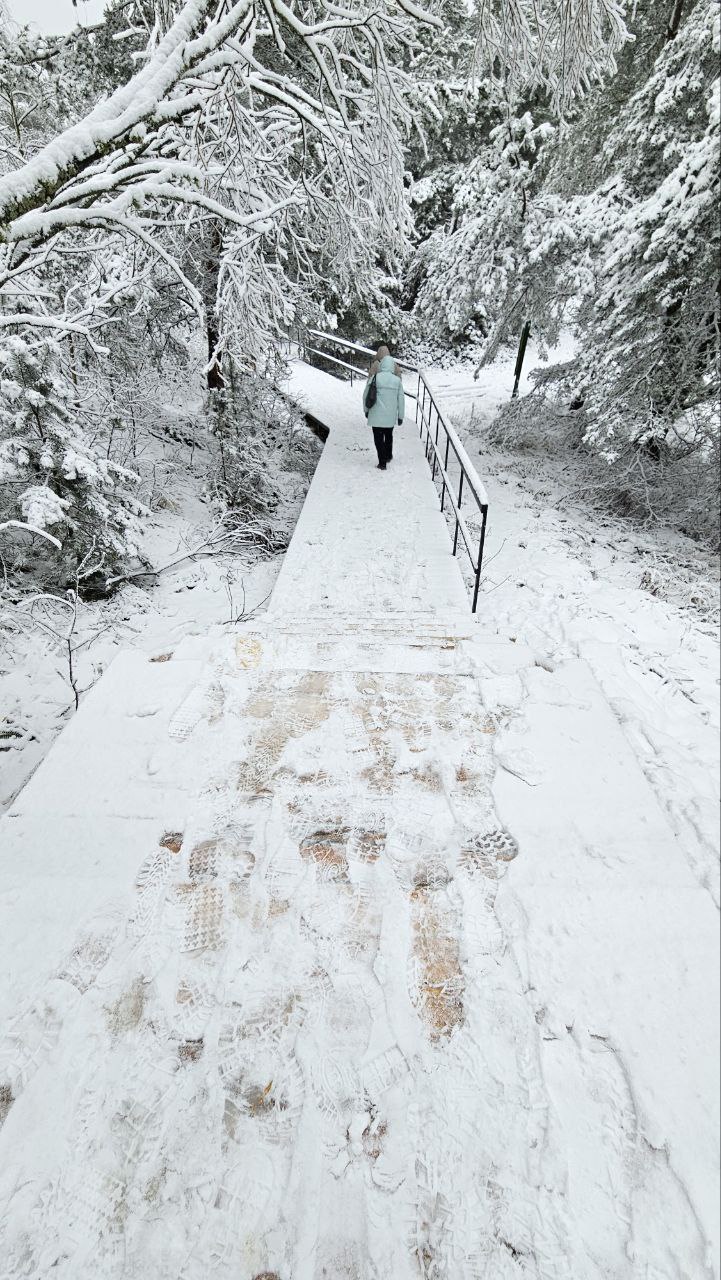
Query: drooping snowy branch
x: 561, y: 47
x: 30, y: 528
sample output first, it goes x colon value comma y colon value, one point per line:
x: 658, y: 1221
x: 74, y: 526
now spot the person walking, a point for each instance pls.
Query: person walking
x: 384, y: 403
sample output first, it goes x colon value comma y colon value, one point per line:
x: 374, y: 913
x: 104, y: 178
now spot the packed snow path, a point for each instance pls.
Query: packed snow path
x: 353, y: 947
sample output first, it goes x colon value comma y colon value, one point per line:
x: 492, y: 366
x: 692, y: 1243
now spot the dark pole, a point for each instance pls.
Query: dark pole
x: 479, y: 564
x: 519, y: 358
x: 445, y: 471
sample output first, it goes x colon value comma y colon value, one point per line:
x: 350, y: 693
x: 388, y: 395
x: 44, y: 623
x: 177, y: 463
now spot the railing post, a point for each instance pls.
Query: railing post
x: 445, y: 472
x: 433, y: 468
x: 479, y: 562
x: 460, y: 497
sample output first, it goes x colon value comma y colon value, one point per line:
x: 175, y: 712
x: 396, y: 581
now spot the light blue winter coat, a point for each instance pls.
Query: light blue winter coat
x: 390, y: 407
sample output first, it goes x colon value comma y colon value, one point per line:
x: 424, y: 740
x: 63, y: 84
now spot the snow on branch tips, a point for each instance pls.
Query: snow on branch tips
x: 561, y: 47
x: 242, y: 172
x: 221, y: 120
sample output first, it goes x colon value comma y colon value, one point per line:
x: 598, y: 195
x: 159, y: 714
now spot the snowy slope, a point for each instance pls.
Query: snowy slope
x: 198, y: 594
x: 640, y: 606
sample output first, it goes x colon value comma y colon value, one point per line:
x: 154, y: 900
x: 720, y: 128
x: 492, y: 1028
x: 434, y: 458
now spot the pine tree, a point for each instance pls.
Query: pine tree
x: 650, y: 334
x: 52, y: 478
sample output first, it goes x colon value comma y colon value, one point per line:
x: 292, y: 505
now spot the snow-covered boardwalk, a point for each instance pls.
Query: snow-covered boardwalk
x: 354, y: 946
x: 369, y: 543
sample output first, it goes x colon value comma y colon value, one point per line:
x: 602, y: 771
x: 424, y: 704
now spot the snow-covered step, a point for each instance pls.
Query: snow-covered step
x: 441, y: 637
x: 406, y: 623
x: 349, y: 653
x: 115, y: 758
x: 319, y: 967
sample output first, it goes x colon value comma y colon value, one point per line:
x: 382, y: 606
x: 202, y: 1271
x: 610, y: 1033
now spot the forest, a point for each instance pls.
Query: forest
x: 186, y: 183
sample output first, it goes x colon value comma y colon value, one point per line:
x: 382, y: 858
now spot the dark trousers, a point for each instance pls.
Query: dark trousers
x: 383, y: 437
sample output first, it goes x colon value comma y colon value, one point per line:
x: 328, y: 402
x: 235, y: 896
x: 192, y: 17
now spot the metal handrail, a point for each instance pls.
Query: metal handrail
x: 314, y: 351
x: 426, y: 406
x: 477, y: 485
x: 330, y: 340
x: 347, y: 345
x: 441, y: 440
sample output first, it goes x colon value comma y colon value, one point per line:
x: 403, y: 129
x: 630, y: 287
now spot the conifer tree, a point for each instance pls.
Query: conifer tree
x: 53, y: 479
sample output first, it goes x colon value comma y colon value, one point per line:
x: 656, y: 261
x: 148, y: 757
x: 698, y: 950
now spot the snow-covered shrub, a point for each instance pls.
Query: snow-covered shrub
x: 539, y: 422
x: 672, y: 482
x: 54, y: 478
x: 262, y: 451
x: 608, y: 225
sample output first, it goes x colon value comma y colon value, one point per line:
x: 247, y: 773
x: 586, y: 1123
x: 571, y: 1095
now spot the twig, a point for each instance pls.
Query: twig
x: 256, y: 607
x: 495, y: 553
x: 497, y: 585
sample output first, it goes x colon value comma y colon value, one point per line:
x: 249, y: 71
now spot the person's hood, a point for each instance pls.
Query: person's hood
x: 387, y: 365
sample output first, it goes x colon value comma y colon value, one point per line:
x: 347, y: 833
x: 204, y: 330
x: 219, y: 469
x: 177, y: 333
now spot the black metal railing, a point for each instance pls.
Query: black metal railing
x: 444, y: 451
x: 356, y: 369
x: 317, y: 343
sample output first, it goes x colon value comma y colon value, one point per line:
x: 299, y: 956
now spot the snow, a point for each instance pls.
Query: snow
x: 196, y: 596
x: 641, y: 608
x: 405, y: 565
x: 42, y: 507
x: 394, y: 965
x: 619, y: 946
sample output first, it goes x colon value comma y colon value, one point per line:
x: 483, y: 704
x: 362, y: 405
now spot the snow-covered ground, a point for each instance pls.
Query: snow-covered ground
x: 641, y: 607
x: 367, y: 951
x: 202, y: 594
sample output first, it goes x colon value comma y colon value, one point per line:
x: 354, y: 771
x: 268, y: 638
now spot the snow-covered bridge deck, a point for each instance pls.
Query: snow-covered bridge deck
x: 275, y: 1005
x: 367, y: 542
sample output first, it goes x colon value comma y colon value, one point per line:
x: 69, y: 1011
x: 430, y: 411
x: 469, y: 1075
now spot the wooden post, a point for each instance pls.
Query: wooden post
x: 519, y: 358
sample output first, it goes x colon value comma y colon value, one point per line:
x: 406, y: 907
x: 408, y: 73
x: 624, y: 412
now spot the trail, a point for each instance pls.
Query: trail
x: 324, y: 954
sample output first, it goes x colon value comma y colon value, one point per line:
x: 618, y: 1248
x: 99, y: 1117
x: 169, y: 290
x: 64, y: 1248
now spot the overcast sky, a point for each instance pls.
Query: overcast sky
x: 55, y: 16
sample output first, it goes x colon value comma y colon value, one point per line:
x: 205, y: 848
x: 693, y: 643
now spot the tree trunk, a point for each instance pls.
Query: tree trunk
x: 674, y: 21
x: 209, y: 289
x: 523, y: 342
x: 215, y: 379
